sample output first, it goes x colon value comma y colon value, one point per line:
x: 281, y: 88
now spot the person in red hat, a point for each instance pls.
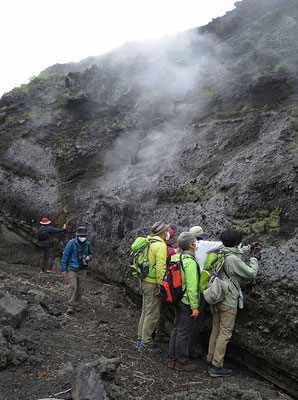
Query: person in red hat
x: 44, y: 235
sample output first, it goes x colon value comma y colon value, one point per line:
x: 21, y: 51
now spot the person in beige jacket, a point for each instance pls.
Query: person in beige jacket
x: 224, y: 314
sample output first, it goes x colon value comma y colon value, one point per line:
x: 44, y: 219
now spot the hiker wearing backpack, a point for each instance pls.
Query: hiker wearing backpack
x: 161, y: 335
x: 203, y: 248
x: 157, y: 257
x: 76, y: 256
x: 185, y: 309
x: 224, y: 313
x: 44, y: 235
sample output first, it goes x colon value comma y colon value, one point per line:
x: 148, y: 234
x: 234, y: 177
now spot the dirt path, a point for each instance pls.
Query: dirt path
x: 106, y: 326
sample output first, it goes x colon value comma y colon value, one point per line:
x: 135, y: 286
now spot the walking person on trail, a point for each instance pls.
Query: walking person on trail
x: 44, y: 235
x: 203, y: 247
x: 161, y: 335
x: 75, y: 259
x: 224, y: 313
x: 187, y: 308
x: 157, y: 258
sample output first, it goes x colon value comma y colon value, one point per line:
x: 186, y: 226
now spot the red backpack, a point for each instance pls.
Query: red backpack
x: 171, y: 286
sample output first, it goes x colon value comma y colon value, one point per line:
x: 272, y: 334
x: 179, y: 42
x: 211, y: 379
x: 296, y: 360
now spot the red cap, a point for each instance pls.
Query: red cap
x: 45, y: 221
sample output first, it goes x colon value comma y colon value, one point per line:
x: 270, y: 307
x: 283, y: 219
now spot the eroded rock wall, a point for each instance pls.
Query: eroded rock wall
x: 199, y: 130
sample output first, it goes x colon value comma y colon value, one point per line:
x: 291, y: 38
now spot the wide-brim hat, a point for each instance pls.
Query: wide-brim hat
x: 198, y: 232
x: 45, y: 221
x: 159, y: 227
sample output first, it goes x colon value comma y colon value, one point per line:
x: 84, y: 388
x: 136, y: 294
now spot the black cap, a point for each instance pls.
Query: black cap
x: 81, y: 231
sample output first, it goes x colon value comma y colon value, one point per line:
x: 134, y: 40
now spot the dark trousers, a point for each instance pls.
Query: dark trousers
x: 196, y: 348
x: 47, y: 252
x: 180, y: 335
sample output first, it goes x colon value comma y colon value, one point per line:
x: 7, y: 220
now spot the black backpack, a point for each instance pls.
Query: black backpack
x: 42, y: 233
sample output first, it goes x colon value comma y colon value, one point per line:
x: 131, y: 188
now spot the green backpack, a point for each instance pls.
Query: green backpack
x: 138, y: 259
x: 212, y: 267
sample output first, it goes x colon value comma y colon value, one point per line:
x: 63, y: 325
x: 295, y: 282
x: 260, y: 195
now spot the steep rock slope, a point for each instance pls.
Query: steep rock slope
x: 196, y: 129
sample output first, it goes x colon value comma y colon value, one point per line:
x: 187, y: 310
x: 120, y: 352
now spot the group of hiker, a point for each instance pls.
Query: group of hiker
x: 182, y: 278
x: 187, y: 273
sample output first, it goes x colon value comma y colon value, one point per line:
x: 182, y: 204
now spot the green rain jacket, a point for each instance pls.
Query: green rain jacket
x: 190, y: 279
x: 157, y: 258
x: 237, y: 270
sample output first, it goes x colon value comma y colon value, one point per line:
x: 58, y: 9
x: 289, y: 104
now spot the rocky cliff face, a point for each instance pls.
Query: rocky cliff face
x: 200, y: 129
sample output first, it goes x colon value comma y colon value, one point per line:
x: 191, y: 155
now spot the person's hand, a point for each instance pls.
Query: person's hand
x: 255, y: 245
x: 87, y: 258
x: 64, y: 226
x: 64, y: 273
x: 195, y: 313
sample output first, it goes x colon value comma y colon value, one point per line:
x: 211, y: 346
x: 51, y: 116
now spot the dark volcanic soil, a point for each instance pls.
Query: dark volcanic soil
x: 106, y: 326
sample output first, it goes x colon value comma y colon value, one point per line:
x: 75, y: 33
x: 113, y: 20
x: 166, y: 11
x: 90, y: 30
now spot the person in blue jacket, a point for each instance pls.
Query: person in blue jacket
x: 75, y: 259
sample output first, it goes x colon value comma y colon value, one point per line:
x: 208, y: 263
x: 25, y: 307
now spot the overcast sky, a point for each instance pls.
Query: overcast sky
x: 38, y: 33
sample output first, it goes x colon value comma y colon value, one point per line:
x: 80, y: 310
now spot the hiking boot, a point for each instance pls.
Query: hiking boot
x: 209, y: 366
x: 138, y: 344
x: 171, y: 364
x: 41, y: 271
x: 216, y: 371
x: 185, y: 367
x: 50, y: 271
x: 153, y: 349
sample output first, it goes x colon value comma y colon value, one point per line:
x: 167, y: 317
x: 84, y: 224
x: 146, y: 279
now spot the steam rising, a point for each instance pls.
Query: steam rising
x: 168, y: 78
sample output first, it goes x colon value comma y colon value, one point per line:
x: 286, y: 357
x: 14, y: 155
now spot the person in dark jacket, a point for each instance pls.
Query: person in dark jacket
x: 75, y: 259
x: 44, y: 235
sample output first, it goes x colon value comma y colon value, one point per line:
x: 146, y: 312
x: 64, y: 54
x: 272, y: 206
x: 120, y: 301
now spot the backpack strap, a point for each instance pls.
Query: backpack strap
x: 198, y: 267
x: 73, y: 242
x: 230, y: 277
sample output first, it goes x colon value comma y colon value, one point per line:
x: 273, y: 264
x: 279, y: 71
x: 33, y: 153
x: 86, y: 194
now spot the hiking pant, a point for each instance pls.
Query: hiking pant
x: 160, y: 329
x: 76, y: 281
x: 196, y: 348
x: 47, y: 252
x: 222, y: 328
x: 150, y: 313
x: 181, y: 332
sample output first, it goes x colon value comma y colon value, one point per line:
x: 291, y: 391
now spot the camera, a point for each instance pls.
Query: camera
x: 83, y: 260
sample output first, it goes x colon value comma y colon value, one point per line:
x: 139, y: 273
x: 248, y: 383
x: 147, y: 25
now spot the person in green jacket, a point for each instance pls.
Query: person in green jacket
x: 224, y: 314
x: 157, y: 258
x: 187, y: 308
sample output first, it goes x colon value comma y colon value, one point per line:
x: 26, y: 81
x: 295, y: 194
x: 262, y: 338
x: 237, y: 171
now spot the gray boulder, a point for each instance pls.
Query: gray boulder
x: 106, y: 367
x: 87, y: 385
x: 39, y: 295
x: 12, y: 310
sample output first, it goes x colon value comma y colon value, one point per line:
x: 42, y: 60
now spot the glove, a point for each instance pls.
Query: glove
x: 254, y: 245
x: 258, y: 256
x: 195, y: 313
